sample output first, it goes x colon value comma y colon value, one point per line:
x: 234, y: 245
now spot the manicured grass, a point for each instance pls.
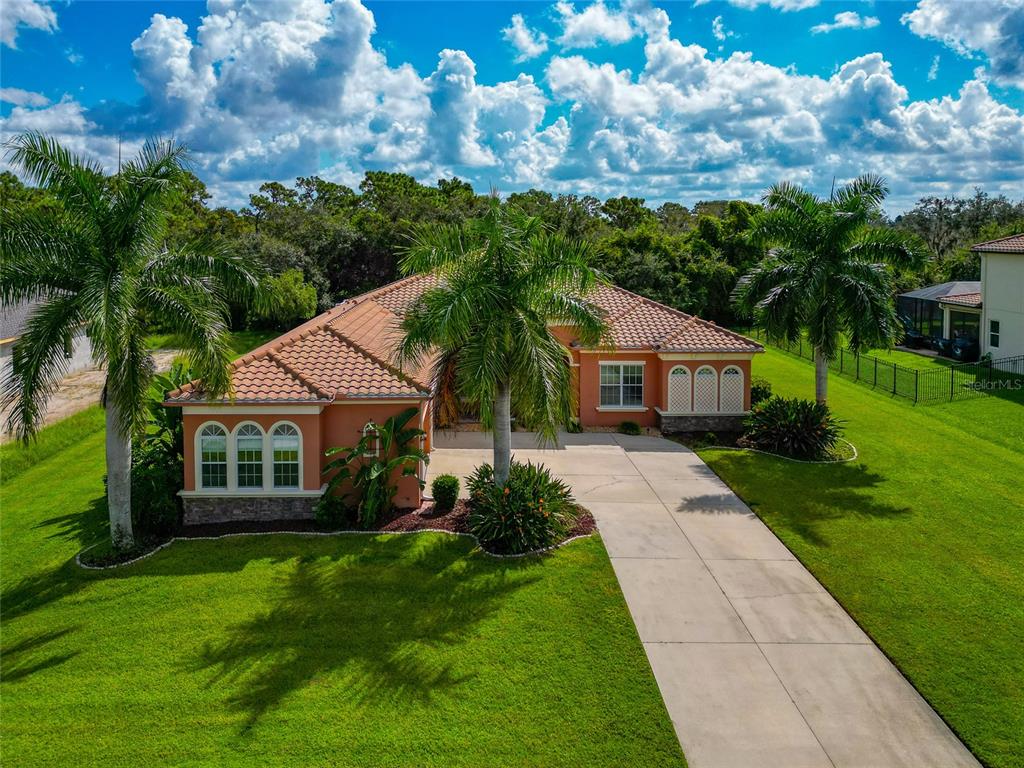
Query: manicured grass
x: 921, y: 539
x: 241, y: 341
x: 16, y: 458
x: 298, y: 651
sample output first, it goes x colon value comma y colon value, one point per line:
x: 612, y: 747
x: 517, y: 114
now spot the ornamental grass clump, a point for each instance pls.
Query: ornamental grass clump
x: 530, y: 511
x: 800, y: 429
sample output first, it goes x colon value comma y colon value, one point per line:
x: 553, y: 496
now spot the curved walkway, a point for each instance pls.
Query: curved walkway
x: 758, y: 665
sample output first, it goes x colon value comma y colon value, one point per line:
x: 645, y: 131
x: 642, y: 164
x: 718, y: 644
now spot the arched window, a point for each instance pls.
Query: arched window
x: 286, y: 447
x: 731, y: 394
x: 370, y: 430
x: 213, y: 456
x: 705, y: 390
x: 680, y: 393
x: 249, y: 453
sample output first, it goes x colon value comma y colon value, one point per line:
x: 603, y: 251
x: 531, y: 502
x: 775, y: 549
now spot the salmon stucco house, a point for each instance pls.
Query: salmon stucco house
x: 258, y: 454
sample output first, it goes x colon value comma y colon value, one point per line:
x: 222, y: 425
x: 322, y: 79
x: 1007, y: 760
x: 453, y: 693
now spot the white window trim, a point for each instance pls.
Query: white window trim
x: 270, y: 435
x: 643, y: 386
x: 622, y: 408
x: 197, y: 449
x: 211, y: 493
x: 233, y: 460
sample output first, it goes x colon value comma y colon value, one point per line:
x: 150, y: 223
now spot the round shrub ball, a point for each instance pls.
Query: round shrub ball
x: 445, y: 490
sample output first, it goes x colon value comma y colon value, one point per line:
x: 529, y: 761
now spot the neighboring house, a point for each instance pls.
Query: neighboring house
x: 1002, y: 296
x: 937, y: 315
x: 13, y: 321
x: 259, y: 455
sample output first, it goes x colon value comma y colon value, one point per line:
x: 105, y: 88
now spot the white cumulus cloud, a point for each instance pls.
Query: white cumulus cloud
x: 273, y: 91
x: 527, y: 43
x: 23, y: 98
x: 846, y: 20
x: 593, y: 25
x: 992, y: 27
x: 33, y: 14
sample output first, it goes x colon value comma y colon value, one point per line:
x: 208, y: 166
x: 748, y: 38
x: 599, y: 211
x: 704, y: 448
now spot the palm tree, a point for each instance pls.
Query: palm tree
x: 502, y: 278
x: 828, y: 271
x: 98, y: 260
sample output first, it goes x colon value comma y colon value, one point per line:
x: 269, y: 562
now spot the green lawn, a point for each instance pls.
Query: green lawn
x: 921, y: 539
x: 345, y: 650
x: 241, y: 341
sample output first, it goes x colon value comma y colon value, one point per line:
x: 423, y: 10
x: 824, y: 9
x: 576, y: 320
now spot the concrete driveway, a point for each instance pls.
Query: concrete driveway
x: 757, y: 664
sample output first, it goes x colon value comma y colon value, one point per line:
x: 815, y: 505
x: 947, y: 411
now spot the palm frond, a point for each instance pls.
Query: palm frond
x: 39, y: 362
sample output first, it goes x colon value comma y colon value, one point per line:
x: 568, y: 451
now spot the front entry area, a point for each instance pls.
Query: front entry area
x: 758, y: 665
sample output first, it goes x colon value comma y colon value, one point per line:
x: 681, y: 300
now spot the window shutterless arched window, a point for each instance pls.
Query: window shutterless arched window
x: 705, y: 390
x: 731, y: 390
x: 285, y: 446
x: 213, y: 456
x: 680, y: 396
x: 249, y: 453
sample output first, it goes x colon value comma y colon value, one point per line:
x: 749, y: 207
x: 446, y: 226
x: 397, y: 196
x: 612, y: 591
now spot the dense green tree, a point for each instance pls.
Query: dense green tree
x: 101, y: 261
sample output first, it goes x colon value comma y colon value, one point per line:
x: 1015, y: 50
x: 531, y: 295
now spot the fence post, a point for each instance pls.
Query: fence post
x: 875, y: 384
x: 917, y: 375
x: 952, y: 372
x: 894, y: 379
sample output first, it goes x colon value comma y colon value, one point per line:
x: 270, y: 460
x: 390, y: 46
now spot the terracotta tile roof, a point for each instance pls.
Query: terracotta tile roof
x: 1011, y: 244
x: 346, y: 352
x: 640, y: 323
x: 342, y: 354
x: 964, y: 299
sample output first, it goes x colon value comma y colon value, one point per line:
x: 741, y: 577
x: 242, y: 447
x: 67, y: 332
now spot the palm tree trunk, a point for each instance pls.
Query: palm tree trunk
x: 820, y: 376
x: 119, y: 480
x: 502, y: 433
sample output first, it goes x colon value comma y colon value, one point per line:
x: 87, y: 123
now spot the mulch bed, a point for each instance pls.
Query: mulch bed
x: 395, y: 521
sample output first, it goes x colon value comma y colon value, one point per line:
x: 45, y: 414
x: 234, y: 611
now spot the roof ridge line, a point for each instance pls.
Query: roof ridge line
x: 397, y: 372
x: 313, y: 387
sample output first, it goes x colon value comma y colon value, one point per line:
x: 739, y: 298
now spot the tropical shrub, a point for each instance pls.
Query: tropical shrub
x: 156, y: 480
x: 445, y: 490
x: 573, y: 426
x: 331, y: 511
x: 629, y: 428
x: 371, y: 465
x: 800, y: 429
x: 530, y: 511
x: 760, y: 390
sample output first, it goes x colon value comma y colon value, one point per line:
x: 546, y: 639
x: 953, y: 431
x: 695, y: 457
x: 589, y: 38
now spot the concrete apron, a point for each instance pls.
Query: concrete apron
x: 758, y: 665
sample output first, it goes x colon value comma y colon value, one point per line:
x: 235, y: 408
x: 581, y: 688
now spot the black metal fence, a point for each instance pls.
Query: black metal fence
x: 955, y: 381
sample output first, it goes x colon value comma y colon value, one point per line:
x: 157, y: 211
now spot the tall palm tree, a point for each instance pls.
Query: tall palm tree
x: 828, y: 270
x: 502, y: 278
x: 98, y: 260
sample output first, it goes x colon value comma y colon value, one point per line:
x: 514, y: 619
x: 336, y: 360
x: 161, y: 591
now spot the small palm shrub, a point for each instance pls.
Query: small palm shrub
x: 532, y: 510
x: 800, y: 429
x: 445, y: 490
x: 156, y: 480
x: 629, y: 428
x: 760, y: 390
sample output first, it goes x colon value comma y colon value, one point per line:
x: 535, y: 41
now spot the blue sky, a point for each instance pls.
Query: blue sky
x: 681, y: 100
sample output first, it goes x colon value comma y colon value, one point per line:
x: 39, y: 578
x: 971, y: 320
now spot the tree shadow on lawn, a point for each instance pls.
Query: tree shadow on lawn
x: 801, y: 498
x: 17, y: 660
x: 385, y: 619
x: 85, y: 528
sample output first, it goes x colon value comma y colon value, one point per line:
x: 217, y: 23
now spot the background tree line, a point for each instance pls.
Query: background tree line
x: 322, y: 242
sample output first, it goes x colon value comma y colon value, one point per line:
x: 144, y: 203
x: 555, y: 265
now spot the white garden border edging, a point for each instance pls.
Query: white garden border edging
x: 780, y: 456
x: 80, y: 564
